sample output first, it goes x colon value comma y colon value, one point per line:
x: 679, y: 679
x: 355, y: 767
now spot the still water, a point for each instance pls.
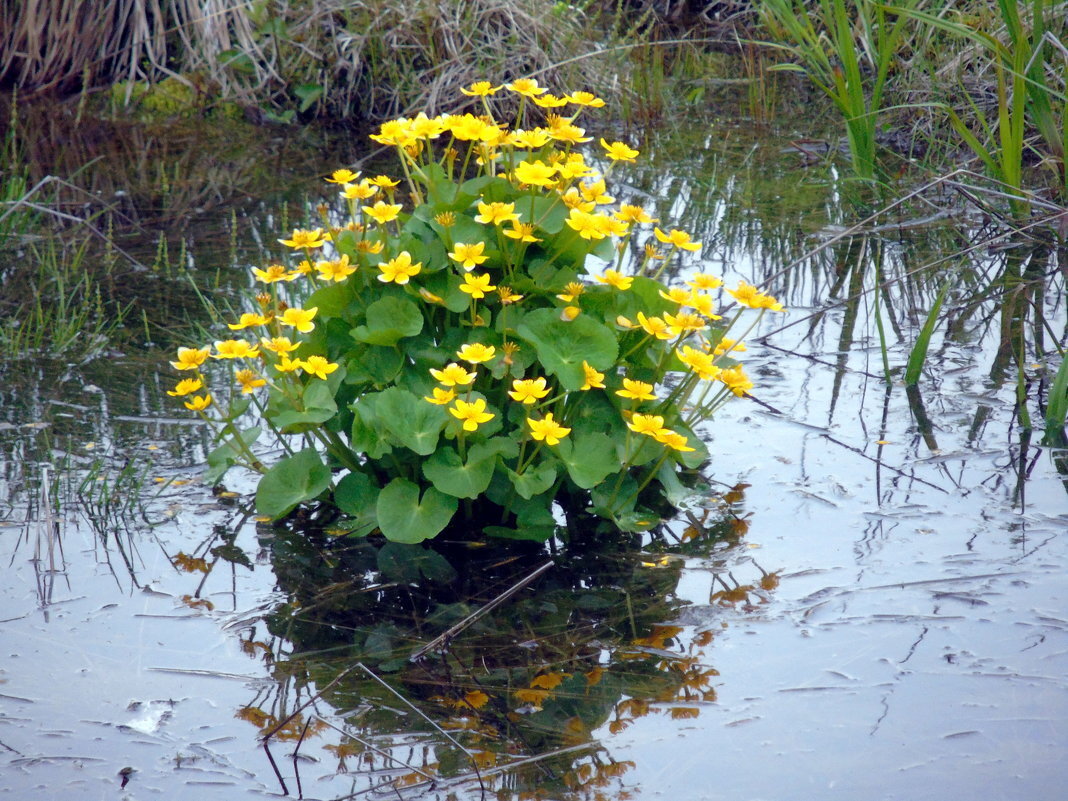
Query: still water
x: 871, y: 605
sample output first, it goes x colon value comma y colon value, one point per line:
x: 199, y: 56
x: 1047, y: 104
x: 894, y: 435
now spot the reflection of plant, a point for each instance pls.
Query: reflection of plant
x: 454, y: 353
x: 578, y: 655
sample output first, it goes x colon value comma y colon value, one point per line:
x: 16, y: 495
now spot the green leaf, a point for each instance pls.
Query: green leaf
x: 331, y: 300
x: 403, y: 517
x: 226, y: 455
x: 297, y: 478
x: 413, y: 421
x: 534, y: 480
x: 319, y: 406
x: 356, y: 494
x: 589, y: 458
x: 369, y: 434
x: 389, y: 320
x: 308, y: 93
x: 372, y: 364
x: 563, y: 346
x: 448, y: 473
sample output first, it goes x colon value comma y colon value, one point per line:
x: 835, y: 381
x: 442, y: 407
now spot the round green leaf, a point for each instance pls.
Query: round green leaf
x: 403, y: 517
x: 563, y: 346
x: 448, y: 473
x: 293, y: 480
x: 389, y: 320
x: 590, y: 458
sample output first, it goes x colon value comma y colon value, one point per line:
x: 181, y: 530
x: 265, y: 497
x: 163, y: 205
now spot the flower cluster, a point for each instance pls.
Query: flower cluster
x: 499, y: 333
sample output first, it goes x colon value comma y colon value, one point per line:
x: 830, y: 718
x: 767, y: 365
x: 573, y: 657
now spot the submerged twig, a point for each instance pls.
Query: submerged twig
x: 443, y: 639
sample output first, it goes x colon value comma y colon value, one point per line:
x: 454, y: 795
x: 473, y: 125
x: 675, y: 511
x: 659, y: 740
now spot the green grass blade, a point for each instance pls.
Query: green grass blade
x: 1057, y: 401
x: 919, y: 351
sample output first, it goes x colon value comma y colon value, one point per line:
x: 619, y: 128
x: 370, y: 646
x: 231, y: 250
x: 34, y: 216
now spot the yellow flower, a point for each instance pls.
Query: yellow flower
x: 318, y: 366
x: 400, y: 269
x: 287, y: 365
x: 648, y: 424
x: 383, y: 181
x: 618, y: 151
x: 198, y: 403
x: 584, y: 99
x: 679, y: 324
x: 655, y: 326
x: 337, y: 270
x: 572, y: 291
x: 367, y: 246
x: 301, y: 319
x: 441, y: 397
x: 382, y: 212
x: 508, y: 297
x: 279, y: 345
x: 676, y: 295
x: 594, y: 379
x: 424, y: 127
x: 547, y: 429
x: 453, y: 375
x: 702, y: 304
x: 701, y: 362
x: 528, y: 87
x: 550, y: 101
x: 468, y: 127
x: 524, y: 232
x: 480, y: 89
x: 535, y: 173
x: 307, y: 239
x: 636, y: 390
x: 249, y: 380
x: 360, y: 191
x: 575, y: 167
x: 473, y: 414
x: 496, y: 213
x: 571, y: 134
x: 673, y: 439
x: 676, y: 238
x: 248, y: 320
x: 726, y: 345
x: 753, y: 298
x: 569, y: 313
x: 736, y: 380
x: 187, y: 386
x: 633, y: 214
x: 235, y: 349
x: 190, y: 358
x: 530, y: 140
x: 274, y: 272
x: 342, y: 177
x: 585, y: 223
x: 574, y: 200
x: 394, y: 132
x: 477, y: 285
x: 528, y: 390
x: 705, y: 282
x: 468, y: 256
x: 476, y: 352
x: 616, y: 279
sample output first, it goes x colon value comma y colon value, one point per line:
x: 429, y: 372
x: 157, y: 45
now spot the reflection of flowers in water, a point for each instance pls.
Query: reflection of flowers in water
x: 534, y: 688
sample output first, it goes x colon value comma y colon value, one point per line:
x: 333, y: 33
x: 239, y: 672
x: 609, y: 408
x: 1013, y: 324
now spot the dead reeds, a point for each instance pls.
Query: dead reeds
x: 372, y: 58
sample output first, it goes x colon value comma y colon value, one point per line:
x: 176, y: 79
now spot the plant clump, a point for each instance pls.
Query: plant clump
x: 497, y: 342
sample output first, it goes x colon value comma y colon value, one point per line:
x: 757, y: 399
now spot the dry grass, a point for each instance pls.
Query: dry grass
x: 369, y: 58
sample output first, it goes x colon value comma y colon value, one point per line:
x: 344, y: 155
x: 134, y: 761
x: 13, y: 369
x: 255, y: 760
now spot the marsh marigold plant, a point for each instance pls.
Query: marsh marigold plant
x: 478, y: 345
